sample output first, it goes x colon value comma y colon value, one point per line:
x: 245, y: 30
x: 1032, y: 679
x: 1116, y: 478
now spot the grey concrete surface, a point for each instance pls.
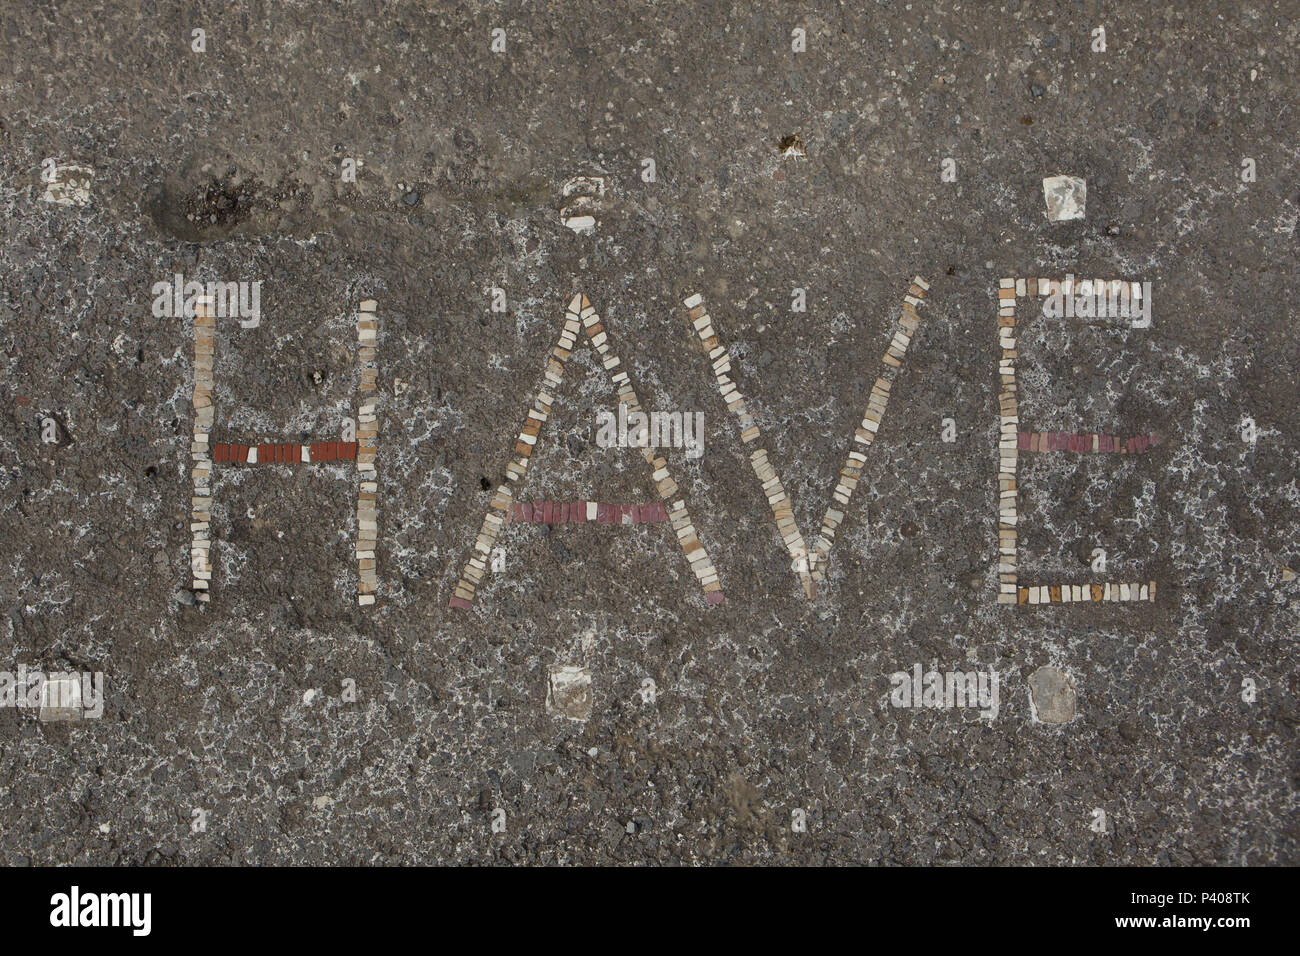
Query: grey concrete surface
x: 225, y: 164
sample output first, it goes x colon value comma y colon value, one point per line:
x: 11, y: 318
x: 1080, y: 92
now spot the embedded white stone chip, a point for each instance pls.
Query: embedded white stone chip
x: 1066, y: 197
x: 70, y: 186
x: 582, y: 203
x: 61, y: 699
x: 1051, y: 696
x: 568, y: 692
x: 582, y: 225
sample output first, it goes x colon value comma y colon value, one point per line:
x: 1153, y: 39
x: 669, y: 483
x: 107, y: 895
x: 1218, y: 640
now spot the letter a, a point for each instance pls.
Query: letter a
x: 503, y: 508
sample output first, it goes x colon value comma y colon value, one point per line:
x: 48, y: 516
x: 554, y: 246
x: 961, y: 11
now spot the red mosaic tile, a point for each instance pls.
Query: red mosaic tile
x: 564, y: 512
x: 1082, y: 442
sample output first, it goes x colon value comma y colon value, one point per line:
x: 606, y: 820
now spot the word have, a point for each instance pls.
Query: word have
x: 646, y: 432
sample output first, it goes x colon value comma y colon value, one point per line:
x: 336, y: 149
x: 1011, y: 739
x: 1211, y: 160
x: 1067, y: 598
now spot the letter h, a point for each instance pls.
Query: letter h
x: 206, y: 455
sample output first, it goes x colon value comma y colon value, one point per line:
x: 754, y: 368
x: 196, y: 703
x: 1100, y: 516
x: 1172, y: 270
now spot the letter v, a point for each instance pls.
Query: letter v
x: 581, y: 315
x: 809, y: 566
